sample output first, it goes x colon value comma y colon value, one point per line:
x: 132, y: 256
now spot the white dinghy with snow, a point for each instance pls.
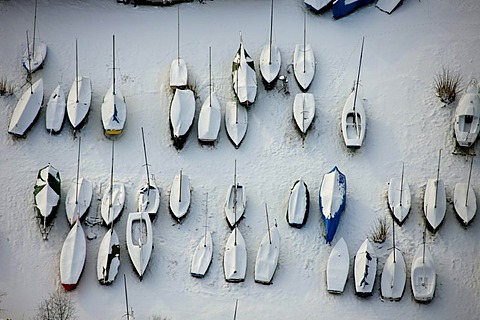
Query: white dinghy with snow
x: 235, y: 257
x: 210, y: 114
x: 114, y: 108
x: 365, y: 269
x: 202, y: 257
x: 148, y: 196
x: 467, y: 115
x: 236, y: 122
x: 72, y: 257
x: 267, y: 255
x: 36, y: 52
x: 399, y: 197
x: 423, y: 274
x: 298, y: 204
x: 435, y: 200
x: 270, y: 59
x: 139, y: 235
x: 182, y: 113
x: 79, y: 195
x: 108, y: 259
x: 337, y: 267
x: 394, y: 275
x: 178, y: 68
x: 304, y: 61
x: 56, y: 107
x: 304, y: 111
x: 244, y: 77
x: 180, y: 196
x: 465, y: 200
x: 113, y: 199
x: 27, y: 109
x: 354, y: 121
x: 79, y: 97
x: 235, y: 201
x: 47, y: 197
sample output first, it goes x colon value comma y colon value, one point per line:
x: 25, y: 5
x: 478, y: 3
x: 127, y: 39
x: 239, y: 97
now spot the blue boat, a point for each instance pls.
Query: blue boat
x: 333, y: 190
x: 342, y: 8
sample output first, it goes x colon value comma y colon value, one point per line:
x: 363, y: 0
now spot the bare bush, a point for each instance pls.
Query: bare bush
x: 58, y: 306
x: 446, y: 85
x: 6, y: 87
x: 379, y: 231
x: 157, y: 317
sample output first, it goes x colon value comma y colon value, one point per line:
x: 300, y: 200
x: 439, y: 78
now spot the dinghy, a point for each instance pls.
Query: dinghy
x: 304, y: 111
x: 35, y: 52
x: 139, y: 235
x: 464, y: 200
x: 236, y: 122
x: 365, y: 269
x: 337, y: 267
x: 180, y: 196
x: 435, y: 200
x: 27, y: 109
x: 394, y: 274
x: 114, y: 108
x: 235, y: 257
x: 202, y: 258
x: 72, y: 257
x: 148, y: 197
x: 467, y: 116
x: 399, y: 197
x: 113, y: 199
x: 243, y: 76
x: 178, y: 68
x: 46, y: 193
x: 354, y: 121
x: 267, y: 255
x: 388, y: 6
x: 318, y: 6
x: 304, y: 61
x: 210, y: 114
x: 423, y: 275
x: 78, y: 199
x: 333, y: 190
x: 298, y: 204
x: 182, y: 113
x: 235, y: 201
x: 270, y: 59
x: 108, y: 259
x: 55, y: 110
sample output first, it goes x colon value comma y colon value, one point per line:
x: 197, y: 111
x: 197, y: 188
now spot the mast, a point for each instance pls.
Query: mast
x: 424, y: 240
x: 180, y: 187
x: 468, y: 183
x: 146, y: 161
x: 235, y: 313
x: 126, y: 297
x: 268, y: 225
x: 29, y: 65
x: 438, y: 175
x: 401, y: 184
x: 235, y: 201
x: 210, y: 71
x: 236, y: 101
x: 113, y: 90
x: 304, y: 38
x: 356, y: 88
x: 394, y: 248
x: 271, y: 31
x: 178, y: 35
x: 110, y: 205
x: 34, y: 29
x: 76, y: 68
x: 78, y: 174
x: 206, y: 222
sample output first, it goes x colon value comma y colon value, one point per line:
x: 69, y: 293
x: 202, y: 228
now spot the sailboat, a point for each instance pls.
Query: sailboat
x: 244, y: 77
x: 79, y: 195
x: 72, y: 256
x: 114, y: 108
x: 399, y: 197
x: 270, y: 59
x: 35, y: 52
x: 394, y: 274
x: 139, y: 235
x: 113, y: 199
x: 27, y: 109
x: 467, y: 115
x: 178, y: 68
x: 365, y: 269
x: 79, y: 97
x: 435, y: 200
x: 180, y: 196
x: 47, y: 197
x: 56, y: 107
x: 148, y: 197
x: 464, y: 200
x: 304, y: 111
x: 267, y: 255
x: 235, y: 257
x: 182, y: 113
x: 202, y: 257
x: 304, y: 61
x: 298, y: 204
x: 236, y: 122
x: 210, y: 114
x: 353, y: 120
x: 423, y: 275
x: 337, y: 267
x: 108, y: 258
x: 235, y: 201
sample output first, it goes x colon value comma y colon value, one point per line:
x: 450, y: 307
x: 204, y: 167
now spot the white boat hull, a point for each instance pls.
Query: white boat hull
x: 56, y: 107
x: 423, y: 275
x: 467, y: 116
x: 270, y: 64
x: 118, y: 200
x: 466, y: 208
x: 304, y: 65
x: 435, y: 203
x: 47, y: 191
x: 298, y: 204
x: 267, y: 257
x: 78, y: 108
x: 209, y: 120
x: 399, y: 198
x: 27, y: 109
x: 202, y: 257
x: 304, y: 111
x: 235, y: 203
x: 337, y: 267
x: 182, y: 113
x: 236, y: 123
x: 178, y: 74
x: 244, y: 77
x: 148, y: 198
x: 108, y: 259
x: 393, y: 277
x: 114, y: 112
x: 36, y: 58
x: 235, y: 258
x: 72, y: 257
x: 76, y: 207
x: 139, y: 235
x: 180, y: 196
x: 365, y: 269
x: 354, y: 122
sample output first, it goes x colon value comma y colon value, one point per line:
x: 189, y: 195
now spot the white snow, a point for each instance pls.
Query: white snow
x: 406, y: 122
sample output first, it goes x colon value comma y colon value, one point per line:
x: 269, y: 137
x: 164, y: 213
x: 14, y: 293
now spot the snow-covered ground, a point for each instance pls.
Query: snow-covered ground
x: 406, y: 122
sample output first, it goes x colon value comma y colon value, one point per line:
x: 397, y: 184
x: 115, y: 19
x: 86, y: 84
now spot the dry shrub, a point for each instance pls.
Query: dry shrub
x: 446, y: 85
x: 57, y: 307
x: 6, y: 87
x: 379, y: 231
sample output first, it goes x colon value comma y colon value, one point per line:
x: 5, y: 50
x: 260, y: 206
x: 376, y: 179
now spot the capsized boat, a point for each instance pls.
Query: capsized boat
x: 333, y: 190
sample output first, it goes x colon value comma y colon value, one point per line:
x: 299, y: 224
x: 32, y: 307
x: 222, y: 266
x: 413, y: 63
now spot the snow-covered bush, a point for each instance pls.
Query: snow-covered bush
x: 446, y: 85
